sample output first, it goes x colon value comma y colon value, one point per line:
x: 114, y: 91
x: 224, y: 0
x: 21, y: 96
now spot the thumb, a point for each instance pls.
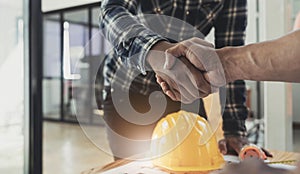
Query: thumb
x: 238, y: 148
x: 216, y: 78
x: 223, y: 147
x: 172, y: 54
x: 170, y: 61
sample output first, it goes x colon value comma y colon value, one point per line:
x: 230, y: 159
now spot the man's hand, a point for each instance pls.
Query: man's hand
x: 232, y: 145
x: 203, y: 57
x: 186, y: 81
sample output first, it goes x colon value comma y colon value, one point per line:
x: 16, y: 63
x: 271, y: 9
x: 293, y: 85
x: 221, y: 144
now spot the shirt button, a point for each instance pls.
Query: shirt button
x: 174, y: 4
x: 187, y: 12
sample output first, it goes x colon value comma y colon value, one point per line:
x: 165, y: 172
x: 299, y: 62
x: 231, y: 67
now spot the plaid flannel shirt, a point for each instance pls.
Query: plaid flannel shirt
x: 132, y: 40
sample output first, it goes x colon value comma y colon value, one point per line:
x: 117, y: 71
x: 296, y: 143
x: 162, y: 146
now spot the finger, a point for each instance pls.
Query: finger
x: 170, y: 88
x: 183, y: 81
x: 159, y: 79
x: 170, y: 61
x: 199, y: 81
x: 201, y: 42
x: 178, y: 50
x: 175, y: 93
x: 170, y: 93
x: 167, y: 91
x: 222, y: 146
x: 237, y: 150
x: 185, y: 96
x: 216, y: 78
x: 237, y: 146
x: 267, y: 153
x: 194, y: 55
x: 204, y: 58
x: 164, y: 86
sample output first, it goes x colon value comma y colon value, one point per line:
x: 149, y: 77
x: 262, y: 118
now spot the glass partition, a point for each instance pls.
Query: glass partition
x: 73, y: 49
x: 52, y: 66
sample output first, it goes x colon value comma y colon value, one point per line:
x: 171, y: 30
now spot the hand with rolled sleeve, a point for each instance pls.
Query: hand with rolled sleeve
x: 188, y: 83
x: 202, y: 56
x: 275, y: 60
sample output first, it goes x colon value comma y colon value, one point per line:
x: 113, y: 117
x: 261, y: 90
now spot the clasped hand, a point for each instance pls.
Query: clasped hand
x: 188, y: 70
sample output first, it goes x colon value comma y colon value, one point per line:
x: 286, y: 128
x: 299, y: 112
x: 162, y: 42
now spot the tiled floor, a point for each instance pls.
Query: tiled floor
x: 67, y: 150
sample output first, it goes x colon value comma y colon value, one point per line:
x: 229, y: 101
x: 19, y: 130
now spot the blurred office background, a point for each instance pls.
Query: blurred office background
x: 73, y: 51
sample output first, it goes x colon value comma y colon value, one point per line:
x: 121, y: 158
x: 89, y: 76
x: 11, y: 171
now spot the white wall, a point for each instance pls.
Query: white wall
x: 12, y: 87
x: 278, y: 119
x: 48, y: 5
x: 10, y: 11
x: 11, y: 62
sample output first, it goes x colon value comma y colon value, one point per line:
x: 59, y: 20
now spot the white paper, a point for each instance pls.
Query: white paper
x: 136, y: 167
x: 146, y: 167
x: 283, y: 166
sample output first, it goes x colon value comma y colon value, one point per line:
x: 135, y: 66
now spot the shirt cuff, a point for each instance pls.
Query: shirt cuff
x: 140, y: 61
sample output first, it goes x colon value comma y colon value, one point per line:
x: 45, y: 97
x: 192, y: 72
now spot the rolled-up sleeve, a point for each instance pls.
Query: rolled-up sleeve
x: 130, y: 38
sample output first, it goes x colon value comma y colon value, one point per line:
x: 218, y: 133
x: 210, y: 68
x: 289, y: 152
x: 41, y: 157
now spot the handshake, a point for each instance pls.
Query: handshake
x: 188, y: 70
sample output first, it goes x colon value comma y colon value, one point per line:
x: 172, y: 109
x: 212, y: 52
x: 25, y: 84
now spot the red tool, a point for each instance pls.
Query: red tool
x: 252, y: 151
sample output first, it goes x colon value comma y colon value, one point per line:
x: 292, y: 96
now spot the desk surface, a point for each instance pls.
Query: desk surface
x: 278, y: 156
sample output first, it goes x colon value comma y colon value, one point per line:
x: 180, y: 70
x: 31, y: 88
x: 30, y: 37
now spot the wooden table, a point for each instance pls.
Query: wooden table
x: 278, y: 156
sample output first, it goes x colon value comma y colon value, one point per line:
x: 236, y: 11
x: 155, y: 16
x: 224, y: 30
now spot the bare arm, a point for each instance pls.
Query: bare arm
x: 276, y: 60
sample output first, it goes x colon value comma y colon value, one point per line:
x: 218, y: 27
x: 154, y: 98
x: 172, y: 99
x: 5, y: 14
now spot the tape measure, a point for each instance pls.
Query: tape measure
x: 252, y: 151
x: 283, y: 162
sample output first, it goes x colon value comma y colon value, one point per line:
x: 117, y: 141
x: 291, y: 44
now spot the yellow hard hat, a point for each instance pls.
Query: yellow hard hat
x: 184, y: 141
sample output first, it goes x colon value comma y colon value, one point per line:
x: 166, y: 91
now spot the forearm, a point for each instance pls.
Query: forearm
x: 130, y: 38
x: 276, y: 60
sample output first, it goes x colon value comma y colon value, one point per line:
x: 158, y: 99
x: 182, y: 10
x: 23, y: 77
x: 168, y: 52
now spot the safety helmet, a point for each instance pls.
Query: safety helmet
x: 183, y: 141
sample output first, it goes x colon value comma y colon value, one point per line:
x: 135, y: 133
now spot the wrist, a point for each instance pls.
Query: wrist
x: 161, y: 46
x: 232, y: 61
x: 156, y: 56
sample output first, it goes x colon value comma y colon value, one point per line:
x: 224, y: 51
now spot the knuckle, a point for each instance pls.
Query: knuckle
x: 194, y: 38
